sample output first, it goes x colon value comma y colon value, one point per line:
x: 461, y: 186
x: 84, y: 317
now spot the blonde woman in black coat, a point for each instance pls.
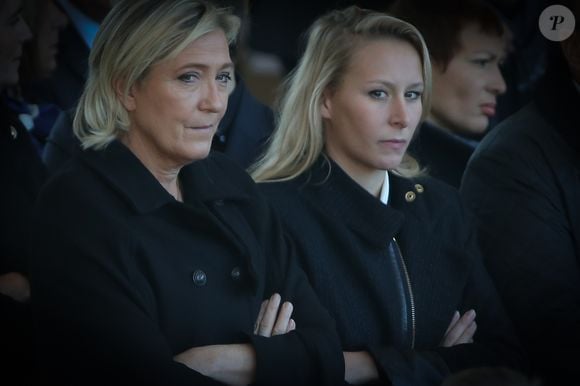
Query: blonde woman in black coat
x: 152, y: 259
x: 390, y: 254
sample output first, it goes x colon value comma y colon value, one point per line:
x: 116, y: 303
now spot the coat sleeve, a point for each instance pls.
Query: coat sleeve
x: 399, y: 367
x: 528, y: 242
x: 495, y: 341
x: 94, y: 327
x: 311, y: 354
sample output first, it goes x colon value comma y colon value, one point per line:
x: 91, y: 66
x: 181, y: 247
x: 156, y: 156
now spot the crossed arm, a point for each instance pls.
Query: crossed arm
x: 360, y: 366
x: 15, y: 285
x: 235, y: 364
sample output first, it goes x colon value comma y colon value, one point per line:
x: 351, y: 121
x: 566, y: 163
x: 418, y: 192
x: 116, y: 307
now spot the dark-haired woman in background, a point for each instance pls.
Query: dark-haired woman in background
x: 467, y: 42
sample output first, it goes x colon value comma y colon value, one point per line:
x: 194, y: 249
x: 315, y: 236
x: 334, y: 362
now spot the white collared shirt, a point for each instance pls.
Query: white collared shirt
x: 384, y: 196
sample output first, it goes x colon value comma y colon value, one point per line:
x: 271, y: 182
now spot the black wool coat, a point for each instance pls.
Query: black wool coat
x: 124, y: 277
x: 23, y: 175
x: 343, y: 235
x: 523, y: 183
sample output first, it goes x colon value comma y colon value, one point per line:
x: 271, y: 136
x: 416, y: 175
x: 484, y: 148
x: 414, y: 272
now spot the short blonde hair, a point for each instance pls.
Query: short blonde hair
x: 332, y: 40
x: 134, y: 36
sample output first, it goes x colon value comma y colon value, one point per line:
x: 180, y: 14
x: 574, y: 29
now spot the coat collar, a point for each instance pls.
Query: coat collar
x: 340, y: 196
x: 129, y: 177
x: 433, y: 133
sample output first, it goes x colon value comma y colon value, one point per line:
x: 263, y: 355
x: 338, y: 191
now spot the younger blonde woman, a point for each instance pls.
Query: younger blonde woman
x: 391, y: 255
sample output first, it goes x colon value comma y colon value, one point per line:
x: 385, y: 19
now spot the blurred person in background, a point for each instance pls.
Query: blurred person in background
x: 467, y: 42
x: 22, y: 175
x: 64, y: 86
x: 523, y: 184
x: 46, y: 21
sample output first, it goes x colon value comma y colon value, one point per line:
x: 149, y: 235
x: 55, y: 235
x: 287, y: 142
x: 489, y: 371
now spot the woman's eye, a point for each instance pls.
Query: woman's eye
x: 481, y: 62
x: 189, y: 77
x: 413, y: 95
x: 225, y: 78
x: 378, y: 94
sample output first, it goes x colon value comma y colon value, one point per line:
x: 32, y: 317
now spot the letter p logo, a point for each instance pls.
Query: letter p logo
x: 557, y: 20
x: 557, y: 23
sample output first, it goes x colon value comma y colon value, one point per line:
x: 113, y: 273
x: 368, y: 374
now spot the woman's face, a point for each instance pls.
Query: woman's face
x: 464, y: 95
x: 13, y: 33
x: 47, y: 35
x: 370, y: 117
x: 175, y: 110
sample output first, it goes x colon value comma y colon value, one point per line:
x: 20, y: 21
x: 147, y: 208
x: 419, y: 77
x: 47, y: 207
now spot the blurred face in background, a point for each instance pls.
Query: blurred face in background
x: 13, y: 33
x: 465, y: 92
x: 50, y: 22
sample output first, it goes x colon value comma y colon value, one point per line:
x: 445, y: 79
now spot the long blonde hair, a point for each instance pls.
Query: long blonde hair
x: 134, y: 36
x: 298, y: 139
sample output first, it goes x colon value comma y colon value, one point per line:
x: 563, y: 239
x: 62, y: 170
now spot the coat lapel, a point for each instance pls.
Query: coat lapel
x: 340, y: 197
x: 209, y: 194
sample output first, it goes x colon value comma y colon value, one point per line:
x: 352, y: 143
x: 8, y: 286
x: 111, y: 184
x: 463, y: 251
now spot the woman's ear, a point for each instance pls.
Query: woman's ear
x: 127, y: 99
x: 326, y: 108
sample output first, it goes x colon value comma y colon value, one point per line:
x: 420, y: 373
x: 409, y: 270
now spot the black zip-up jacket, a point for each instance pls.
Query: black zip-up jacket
x: 393, y: 275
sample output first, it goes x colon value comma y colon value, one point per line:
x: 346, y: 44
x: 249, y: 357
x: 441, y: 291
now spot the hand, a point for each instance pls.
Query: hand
x: 15, y: 285
x: 359, y: 367
x: 270, y: 322
x: 234, y: 364
x: 460, y: 330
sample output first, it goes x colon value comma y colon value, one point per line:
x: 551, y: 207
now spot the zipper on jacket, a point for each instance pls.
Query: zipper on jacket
x: 411, y: 298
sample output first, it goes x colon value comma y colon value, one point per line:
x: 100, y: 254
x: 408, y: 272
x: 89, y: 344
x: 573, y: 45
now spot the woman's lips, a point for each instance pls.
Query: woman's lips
x: 488, y: 109
x: 395, y: 144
